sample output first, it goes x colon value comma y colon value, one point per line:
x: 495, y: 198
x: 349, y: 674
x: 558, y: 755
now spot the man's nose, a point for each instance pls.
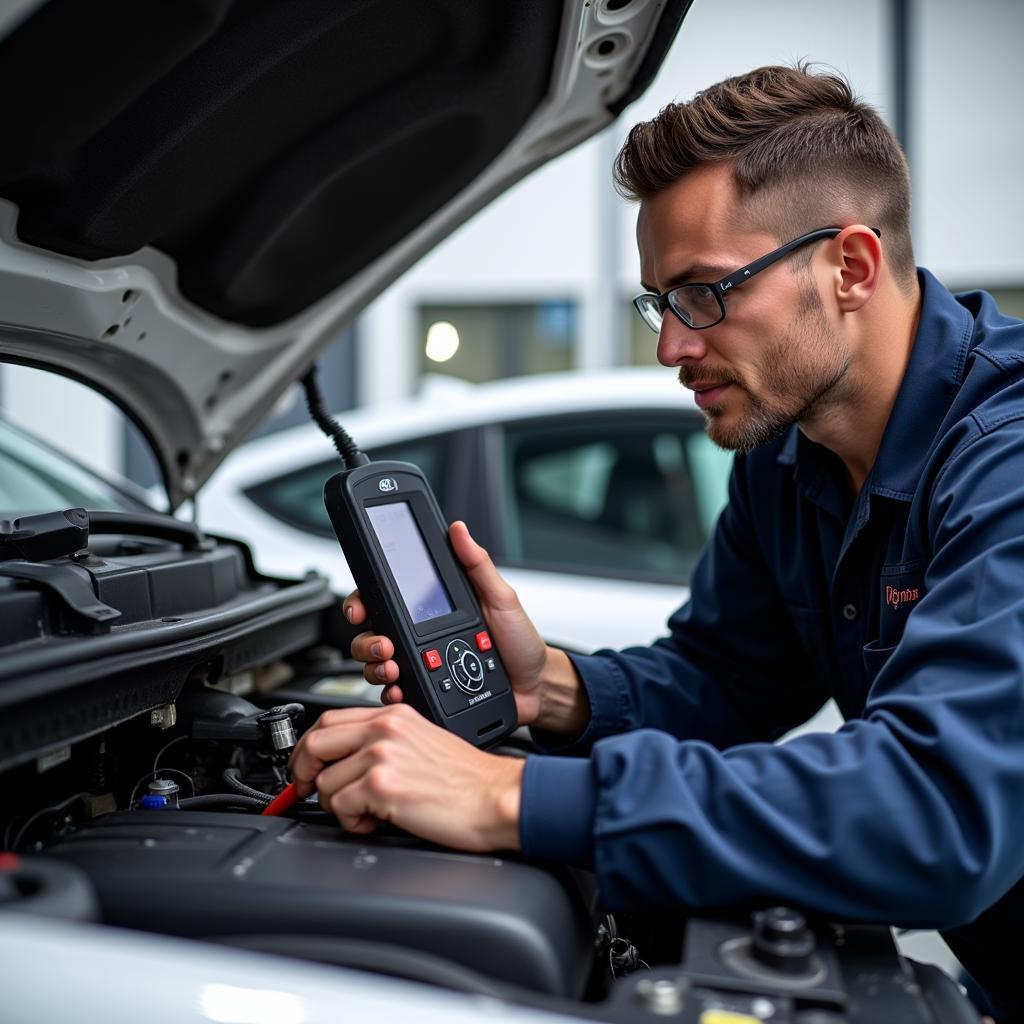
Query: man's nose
x: 677, y: 342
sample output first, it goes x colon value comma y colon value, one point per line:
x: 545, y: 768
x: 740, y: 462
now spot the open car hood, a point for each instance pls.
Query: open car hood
x: 197, y: 196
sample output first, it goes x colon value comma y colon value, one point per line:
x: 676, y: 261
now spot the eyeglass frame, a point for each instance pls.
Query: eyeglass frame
x: 737, y: 277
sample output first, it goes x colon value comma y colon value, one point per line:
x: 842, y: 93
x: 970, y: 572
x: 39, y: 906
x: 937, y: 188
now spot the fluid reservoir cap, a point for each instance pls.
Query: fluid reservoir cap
x: 280, y: 728
x: 153, y: 802
x: 782, y: 940
x: 163, y: 787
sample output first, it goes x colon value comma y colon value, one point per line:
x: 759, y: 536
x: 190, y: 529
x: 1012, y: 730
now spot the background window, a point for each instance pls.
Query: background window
x: 629, y: 498
x: 485, y: 342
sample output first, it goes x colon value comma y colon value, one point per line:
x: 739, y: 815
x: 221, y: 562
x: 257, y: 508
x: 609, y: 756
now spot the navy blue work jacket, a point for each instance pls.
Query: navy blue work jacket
x: 905, y: 605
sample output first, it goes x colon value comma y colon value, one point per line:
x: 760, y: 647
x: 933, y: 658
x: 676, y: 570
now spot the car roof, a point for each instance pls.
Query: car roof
x: 446, y: 404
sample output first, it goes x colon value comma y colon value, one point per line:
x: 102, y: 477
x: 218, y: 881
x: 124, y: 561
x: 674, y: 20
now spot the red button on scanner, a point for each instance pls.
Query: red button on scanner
x: 483, y: 641
x: 432, y: 659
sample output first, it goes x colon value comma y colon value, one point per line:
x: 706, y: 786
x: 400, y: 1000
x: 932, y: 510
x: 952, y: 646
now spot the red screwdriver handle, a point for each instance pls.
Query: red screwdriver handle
x: 283, y: 800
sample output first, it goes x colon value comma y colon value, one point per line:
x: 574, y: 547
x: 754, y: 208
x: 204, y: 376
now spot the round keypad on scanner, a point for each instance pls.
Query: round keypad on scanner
x: 465, y: 666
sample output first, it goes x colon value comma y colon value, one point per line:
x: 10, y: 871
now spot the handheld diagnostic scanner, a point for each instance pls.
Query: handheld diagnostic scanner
x: 395, y: 540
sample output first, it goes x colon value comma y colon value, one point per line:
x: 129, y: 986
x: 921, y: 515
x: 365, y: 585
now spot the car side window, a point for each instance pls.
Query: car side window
x: 36, y: 478
x: 627, y: 495
x: 297, y: 498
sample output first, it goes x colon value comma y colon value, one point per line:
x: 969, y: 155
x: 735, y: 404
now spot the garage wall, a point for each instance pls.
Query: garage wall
x: 969, y: 141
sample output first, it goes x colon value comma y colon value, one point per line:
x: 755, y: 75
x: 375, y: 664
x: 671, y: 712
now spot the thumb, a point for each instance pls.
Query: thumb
x: 489, y: 585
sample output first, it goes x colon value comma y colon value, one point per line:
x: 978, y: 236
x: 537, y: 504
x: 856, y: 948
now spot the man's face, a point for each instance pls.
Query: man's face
x: 775, y: 359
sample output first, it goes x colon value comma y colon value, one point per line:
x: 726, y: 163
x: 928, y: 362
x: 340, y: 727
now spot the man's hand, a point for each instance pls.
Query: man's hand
x: 390, y: 764
x: 547, y: 690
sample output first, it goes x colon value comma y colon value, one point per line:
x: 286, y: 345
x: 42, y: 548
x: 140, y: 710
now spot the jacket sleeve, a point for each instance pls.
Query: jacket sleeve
x: 913, y: 814
x: 731, y: 669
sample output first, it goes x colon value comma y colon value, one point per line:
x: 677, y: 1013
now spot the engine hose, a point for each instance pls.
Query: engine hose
x: 231, y: 777
x: 220, y: 800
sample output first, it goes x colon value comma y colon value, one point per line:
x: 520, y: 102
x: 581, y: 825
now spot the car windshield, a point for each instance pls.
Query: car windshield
x: 36, y: 478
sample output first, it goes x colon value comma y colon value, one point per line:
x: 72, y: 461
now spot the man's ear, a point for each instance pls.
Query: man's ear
x: 858, y: 264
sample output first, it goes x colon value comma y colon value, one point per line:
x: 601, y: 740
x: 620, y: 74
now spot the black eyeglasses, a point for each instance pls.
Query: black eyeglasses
x: 701, y: 305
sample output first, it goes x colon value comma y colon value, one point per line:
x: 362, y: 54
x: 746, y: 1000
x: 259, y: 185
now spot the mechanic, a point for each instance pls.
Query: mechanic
x: 872, y: 551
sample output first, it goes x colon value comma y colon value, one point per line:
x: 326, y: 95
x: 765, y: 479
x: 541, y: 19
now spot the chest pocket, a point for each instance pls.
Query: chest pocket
x: 901, y: 587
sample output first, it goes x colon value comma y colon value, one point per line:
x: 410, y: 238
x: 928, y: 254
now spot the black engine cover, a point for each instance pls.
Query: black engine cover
x: 215, y: 875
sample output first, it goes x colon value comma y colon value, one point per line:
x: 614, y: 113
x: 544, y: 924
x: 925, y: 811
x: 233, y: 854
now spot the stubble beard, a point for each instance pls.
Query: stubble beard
x: 798, y: 373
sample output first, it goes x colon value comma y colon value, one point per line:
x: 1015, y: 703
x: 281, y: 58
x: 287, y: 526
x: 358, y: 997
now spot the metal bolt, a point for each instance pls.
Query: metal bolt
x: 661, y: 996
x: 163, y: 717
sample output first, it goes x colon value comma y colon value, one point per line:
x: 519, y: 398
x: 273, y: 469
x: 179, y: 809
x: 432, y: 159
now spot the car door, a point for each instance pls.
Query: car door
x: 602, y: 517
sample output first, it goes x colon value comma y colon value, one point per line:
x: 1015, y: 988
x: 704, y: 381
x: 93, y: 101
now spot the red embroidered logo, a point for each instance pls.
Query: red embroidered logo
x: 895, y: 598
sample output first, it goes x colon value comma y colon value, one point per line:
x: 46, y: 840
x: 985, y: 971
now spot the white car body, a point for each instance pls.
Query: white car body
x: 576, y: 611
x: 184, y: 982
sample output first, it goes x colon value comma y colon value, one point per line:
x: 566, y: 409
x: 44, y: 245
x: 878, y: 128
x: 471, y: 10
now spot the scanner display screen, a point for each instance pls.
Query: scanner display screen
x: 414, y: 570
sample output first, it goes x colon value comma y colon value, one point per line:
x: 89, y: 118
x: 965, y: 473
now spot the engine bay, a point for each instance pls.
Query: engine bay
x: 144, y: 731
x: 186, y: 851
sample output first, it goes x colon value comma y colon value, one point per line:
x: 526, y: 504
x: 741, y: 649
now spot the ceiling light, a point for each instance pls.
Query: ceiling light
x: 442, y: 341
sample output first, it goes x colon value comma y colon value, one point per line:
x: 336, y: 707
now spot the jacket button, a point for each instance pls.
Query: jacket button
x: 849, y: 612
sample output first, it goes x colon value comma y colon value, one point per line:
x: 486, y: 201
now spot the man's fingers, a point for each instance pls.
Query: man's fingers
x: 489, y: 585
x: 361, y: 824
x: 370, y: 647
x: 378, y: 674
x: 469, y: 553
x: 353, y: 609
x: 335, y: 735
x: 304, y: 789
x: 336, y: 777
x: 376, y: 652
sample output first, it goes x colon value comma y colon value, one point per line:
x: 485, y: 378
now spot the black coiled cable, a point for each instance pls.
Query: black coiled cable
x: 347, y: 448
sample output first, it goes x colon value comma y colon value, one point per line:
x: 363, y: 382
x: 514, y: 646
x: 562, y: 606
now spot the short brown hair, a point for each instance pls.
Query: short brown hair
x: 806, y: 153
